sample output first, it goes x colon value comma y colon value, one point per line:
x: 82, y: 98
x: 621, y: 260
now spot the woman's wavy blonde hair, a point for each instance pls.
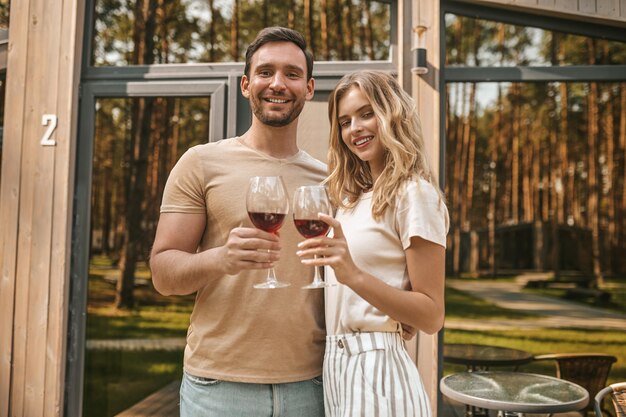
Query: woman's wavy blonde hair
x: 400, y: 133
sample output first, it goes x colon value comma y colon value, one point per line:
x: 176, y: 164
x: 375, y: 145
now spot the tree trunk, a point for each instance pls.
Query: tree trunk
x: 325, y: 46
x: 291, y: 14
x: 309, y: 31
x: 234, y: 32
x: 471, y: 158
x: 592, y: 178
x: 266, y: 13
x: 537, y: 192
x: 211, y: 42
x: 349, y: 25
x: 493, y: 185
x: 124, y: 297
x: 459, y: 169
x: 340, y: 37
x: 622, y: 142
x: 515, y: 151
x: 610, y: 179
x: 367, y: 25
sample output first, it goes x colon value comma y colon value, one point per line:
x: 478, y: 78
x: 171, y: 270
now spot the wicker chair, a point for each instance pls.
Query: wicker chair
x: 589, y: 370
x: 617, y: 393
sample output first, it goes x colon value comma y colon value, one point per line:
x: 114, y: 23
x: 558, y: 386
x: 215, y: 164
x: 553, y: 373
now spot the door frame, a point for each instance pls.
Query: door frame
x: 90, y: 92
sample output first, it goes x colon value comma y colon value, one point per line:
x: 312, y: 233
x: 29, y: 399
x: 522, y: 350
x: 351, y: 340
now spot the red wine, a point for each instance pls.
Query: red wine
x: 270, y: 222
x: 311, y: 228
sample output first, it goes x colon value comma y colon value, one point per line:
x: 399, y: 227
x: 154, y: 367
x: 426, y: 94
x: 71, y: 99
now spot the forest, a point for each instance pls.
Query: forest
x: 138, y: 140
x: 535, y: 172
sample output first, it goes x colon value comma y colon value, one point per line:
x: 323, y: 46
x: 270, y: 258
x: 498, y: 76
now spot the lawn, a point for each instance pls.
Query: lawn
x: 534, y: 341
x: 616, y: 288
x: 460, y: 305
x: 115, y: 380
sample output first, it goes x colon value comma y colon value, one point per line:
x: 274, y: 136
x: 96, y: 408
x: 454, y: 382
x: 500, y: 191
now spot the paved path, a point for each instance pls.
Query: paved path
x: 551, y: 312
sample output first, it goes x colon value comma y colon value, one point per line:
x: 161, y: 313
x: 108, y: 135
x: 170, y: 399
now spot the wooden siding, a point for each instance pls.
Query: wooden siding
x: 611, y: 12
x: 36, y: 194
x: 426, y: 91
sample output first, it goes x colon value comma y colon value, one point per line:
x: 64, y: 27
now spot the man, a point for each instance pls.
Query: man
x: 250, y: 352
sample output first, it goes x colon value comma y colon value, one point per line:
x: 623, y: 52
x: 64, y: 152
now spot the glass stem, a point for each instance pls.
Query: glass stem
x: 317, y: 279
x: 271, y: 276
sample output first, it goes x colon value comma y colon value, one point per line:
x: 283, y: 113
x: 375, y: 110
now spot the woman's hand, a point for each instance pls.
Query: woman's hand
x: 331, y: 251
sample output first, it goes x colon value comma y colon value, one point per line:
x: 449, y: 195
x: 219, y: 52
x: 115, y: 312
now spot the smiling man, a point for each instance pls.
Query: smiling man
x: 250, y: 352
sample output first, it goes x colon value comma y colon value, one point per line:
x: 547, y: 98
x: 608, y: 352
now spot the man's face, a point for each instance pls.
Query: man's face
x: 277, y: 86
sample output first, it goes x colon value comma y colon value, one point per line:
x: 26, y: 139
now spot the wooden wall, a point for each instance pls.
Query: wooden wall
x: 612, y: 12
x: 36, y: 193
x: 36, y: 190
x: 426, y: 91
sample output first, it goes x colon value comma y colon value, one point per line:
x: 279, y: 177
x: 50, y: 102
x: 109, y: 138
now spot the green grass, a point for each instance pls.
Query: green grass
x: 617, y: 303
x: 144, y: 323
x: 115, y: 380
x: 536, y: 341
x: 461, y: 305
x: 548, y: 341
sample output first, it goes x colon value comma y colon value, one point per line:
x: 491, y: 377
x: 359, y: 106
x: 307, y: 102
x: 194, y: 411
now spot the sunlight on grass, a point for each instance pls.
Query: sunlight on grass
x: 538, y: 341
x: 617, y: 303
x: 463, y: 305
x: 119, y: 379
x: 147, y: 322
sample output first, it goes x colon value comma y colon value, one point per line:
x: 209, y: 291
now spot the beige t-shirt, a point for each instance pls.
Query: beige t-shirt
x: 377, y: 247
x: 237, y: 332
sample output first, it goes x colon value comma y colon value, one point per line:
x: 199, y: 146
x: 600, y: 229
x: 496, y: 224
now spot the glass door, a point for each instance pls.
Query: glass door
x: 130, y: 342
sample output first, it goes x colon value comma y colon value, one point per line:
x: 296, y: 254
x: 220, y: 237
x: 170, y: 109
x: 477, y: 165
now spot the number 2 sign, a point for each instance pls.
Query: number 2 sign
x: 49, y: 120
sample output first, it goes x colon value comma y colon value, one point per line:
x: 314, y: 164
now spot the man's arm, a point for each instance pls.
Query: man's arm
x: 177, y: 267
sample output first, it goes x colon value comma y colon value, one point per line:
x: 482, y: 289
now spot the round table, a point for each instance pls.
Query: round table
x: 483, y: 356
x: 516, y: 392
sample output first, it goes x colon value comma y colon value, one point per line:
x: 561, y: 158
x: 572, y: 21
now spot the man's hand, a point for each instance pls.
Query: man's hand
x: 249, y: 248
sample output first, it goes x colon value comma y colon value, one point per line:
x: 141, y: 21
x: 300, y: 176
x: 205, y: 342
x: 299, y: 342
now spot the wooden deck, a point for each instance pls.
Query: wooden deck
x: 162, y: 403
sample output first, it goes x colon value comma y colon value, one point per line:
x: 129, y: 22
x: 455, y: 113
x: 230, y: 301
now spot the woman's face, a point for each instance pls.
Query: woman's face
x: 359, y: 129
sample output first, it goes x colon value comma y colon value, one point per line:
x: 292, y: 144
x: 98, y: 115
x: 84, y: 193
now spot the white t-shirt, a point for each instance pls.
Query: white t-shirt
x: 377, y: 247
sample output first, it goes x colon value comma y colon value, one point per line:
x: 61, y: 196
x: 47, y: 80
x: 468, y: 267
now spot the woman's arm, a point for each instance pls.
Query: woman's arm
x: 421, y: 307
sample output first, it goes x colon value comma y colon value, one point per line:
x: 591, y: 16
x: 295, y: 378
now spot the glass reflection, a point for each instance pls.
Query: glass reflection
x: 536, y: 178
x: 131, y: 32
x: 135, y: 337
x: 479, y: 42
x: 5, y: 7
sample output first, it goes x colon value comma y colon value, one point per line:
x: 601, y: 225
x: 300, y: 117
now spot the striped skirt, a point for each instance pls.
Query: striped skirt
x: 371, y: 374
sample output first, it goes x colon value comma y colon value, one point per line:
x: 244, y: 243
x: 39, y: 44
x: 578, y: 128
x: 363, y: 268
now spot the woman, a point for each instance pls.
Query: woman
x: 387, y: 250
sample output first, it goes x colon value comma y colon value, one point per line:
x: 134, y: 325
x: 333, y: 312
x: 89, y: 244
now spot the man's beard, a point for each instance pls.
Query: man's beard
x: 276, y: 121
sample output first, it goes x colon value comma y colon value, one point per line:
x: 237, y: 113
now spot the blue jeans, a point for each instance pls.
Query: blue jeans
x: 204, y: 397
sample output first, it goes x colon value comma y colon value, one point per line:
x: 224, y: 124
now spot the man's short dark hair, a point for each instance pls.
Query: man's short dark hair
x: 279, y: 34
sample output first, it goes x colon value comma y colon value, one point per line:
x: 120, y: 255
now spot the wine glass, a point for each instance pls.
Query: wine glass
x: 307, y: 202
x: 268, y: 204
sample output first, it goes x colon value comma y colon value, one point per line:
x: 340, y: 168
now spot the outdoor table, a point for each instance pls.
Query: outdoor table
x: 481, y: 357
x: 514, y: 392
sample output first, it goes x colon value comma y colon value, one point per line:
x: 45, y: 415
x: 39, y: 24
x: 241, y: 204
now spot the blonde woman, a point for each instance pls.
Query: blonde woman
x: 386, y: 252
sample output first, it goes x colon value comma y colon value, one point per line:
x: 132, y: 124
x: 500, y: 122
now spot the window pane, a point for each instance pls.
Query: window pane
x: 192, y: 31
x: 5, y: 6
x: 2, y: 91
x: 135, y: 337
x: 479, y: 42
x: 4, y: 44
x: 536, y: 178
